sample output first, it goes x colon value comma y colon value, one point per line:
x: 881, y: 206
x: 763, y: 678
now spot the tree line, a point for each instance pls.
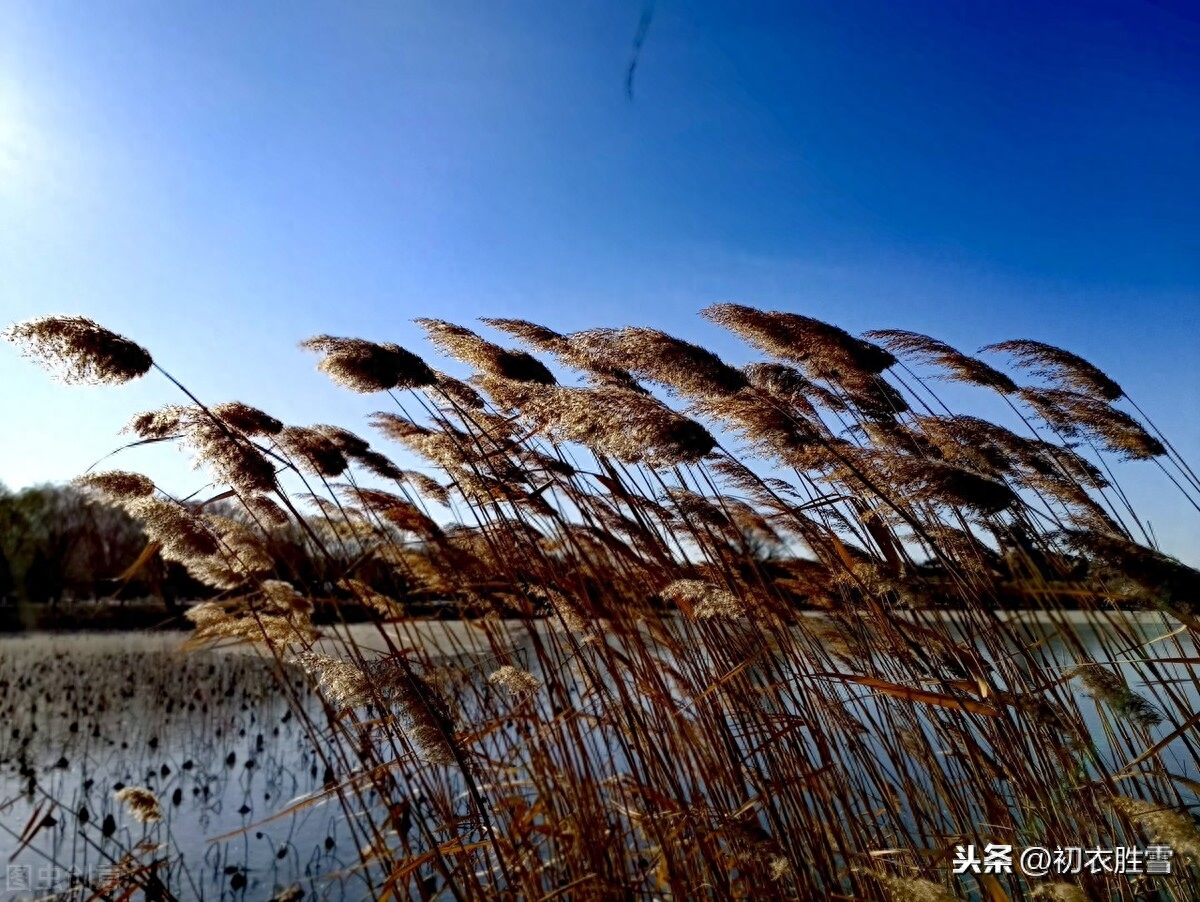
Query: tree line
x: 61, y: 543
x: 57, y: 542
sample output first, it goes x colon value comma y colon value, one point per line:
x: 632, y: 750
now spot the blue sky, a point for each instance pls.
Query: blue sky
x: 220, y: 181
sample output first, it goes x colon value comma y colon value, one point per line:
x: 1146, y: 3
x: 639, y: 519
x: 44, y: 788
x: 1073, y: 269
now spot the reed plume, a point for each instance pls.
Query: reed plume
x: 733, y: 643
x: 234, y: 460
x: 958, y: 367
x: 465, y: 345
x: 385, y: 682
x: 1060, y: 892
x: 141, y: 802
x: 913, y: 889
x: 313, y: 450
x: 165, y: 422
x: 216, y: 623
x: 183, y: 535
x: 703, y: 600
x: 1067, y: 370
x: 246, y: 419
x: 367, y: 367
x: 395, y: 509
x: 791, y: 386
x: 217, y: 444
x: 1160, y: 577
x: 459, y: 393
x: 823, y: 350
x: 682, y: 367
x: 626, y: 425
x: 265, y: 510
x: 568, y: 352
x: 118, y: 485
x: 283, y: 597
x: 79, y: 351
x: 946, y: 483
x: 1112, y: 689
x: 1164, y: 825
x: 1072, y: 413
x: 517, y: 682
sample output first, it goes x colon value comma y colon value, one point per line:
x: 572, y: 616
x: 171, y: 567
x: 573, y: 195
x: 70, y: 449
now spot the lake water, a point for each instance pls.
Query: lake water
x: 209, y: 733
x: 212, y: 734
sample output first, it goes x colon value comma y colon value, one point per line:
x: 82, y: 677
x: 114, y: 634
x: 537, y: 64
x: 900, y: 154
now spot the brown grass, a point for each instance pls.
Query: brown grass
x: 650, y: 708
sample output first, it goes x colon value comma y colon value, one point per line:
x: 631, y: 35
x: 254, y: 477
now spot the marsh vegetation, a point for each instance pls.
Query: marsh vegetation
x: 639, y: 700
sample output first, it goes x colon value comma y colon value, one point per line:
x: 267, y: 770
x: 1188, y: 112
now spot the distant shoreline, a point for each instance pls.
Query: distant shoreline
x: 155, y: 617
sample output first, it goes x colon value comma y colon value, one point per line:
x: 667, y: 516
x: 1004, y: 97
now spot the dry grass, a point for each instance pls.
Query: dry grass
x: 648, y: 708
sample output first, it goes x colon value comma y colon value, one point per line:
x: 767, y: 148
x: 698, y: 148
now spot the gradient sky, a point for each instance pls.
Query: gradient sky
x: 220, y: 181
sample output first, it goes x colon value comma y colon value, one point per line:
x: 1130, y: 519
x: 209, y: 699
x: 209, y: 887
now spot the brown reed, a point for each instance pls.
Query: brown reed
x: 743, y: 642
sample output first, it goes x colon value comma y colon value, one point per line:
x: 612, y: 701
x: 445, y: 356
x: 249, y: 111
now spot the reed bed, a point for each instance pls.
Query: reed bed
x: 703, y: 647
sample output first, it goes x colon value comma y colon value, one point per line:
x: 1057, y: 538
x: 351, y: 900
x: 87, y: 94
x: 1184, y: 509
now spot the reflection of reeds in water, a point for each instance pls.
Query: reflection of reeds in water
x: 680, y: 727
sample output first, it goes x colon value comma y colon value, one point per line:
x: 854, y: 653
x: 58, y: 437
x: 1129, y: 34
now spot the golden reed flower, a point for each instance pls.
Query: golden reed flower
x: 1164, y: 825
x: 365, y: 366
x: 463, y: 344
x: 142, y: 804
x: 80, y: 351
x: 118, y: 485
x: 1062, y: 367
x: 520, y: 683
x: 959, y: 367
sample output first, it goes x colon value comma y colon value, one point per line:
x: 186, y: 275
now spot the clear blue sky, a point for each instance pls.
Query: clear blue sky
x: 220, y: 181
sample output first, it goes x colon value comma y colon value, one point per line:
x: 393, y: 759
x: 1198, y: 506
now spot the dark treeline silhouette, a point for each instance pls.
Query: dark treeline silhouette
x: 57, y: 542
x: 67, y: 544
x: 62, y: 544
x: 64, y: 547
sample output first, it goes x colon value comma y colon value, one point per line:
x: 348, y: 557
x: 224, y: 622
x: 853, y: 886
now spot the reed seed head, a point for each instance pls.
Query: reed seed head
x: 313, y: 451
x: 704, y: 600
x: 215, y: 623
x: 428, y: 723
x: 366, y: 367
x: 235, y: 461
x: 246, y: 419
x: 266, y: 510
x: 426, y: 486
x: 959, y: 367
x: 283, y: 596
x: 1060, y: 892
x: 342, y: 682
x: 793, y: 387
x: 629, y: 426
x: 1165, y: 825
x: 823, y: 350
x: 79, y: 351
x: 1061, y: 367
x: 459, y: 393
x: 117, y: 485
x: 945, y: 483
x: 518, y: 682
x: 685, y: 368
x: 162, y: 423
x: 913, y: 889
x: 1172, y: 584
x: 600, y: 372
x: 1111, y: 688
x: 463, y: 344
x: 1073, y: 414
x: 141, y: 802
x: 182, y: 534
